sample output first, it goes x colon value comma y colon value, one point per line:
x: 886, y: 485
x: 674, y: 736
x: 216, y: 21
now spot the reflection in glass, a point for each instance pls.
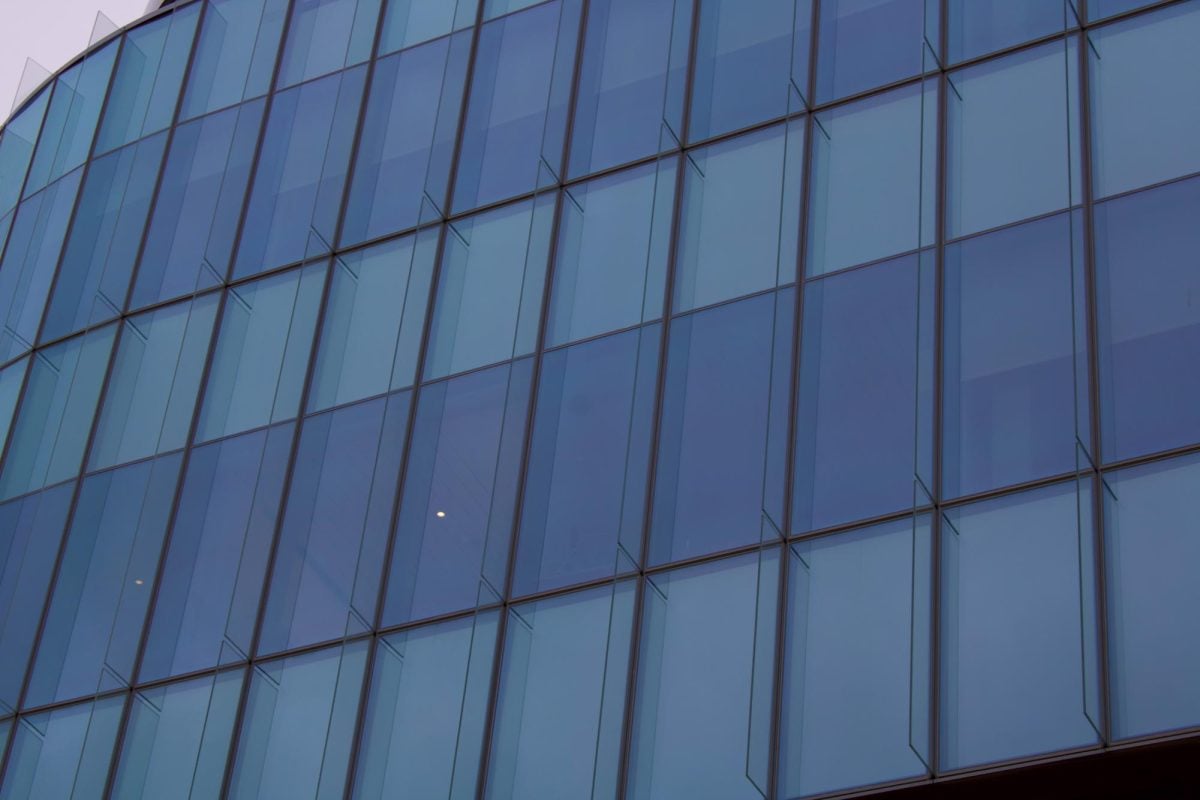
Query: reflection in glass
x: 63, y: 753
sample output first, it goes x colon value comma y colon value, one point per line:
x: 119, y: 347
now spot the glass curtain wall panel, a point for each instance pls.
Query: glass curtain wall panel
x: 631, y: 82
x: 1144, y: 62
x: 424, y: 721
x: 864, y: 44
x: 17, y: 141
x: 460, y: 492
x: 325, y: 36
x: 1099, y: 9
x: 739, y: 223
x: 235, y: 54
x: 12, y: 379
x: 561, y: 697
x: 373, y: 320
x: 63, y: 753
x: 979, y: 27
x: 410, y: 22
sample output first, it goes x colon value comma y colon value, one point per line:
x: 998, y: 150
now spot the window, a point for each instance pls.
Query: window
x: 868, y: 43
x: 410, y: 22
x: 978, y: 28
x: 327, y: 35
x: 235, y: 54
x: 64, y: 752
x: 17, y: 140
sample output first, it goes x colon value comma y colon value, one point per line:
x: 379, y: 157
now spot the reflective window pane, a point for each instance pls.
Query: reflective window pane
x: 17, y: 141
x: 155, y: 379
x: 327, y: 35
x: 1149, y: 327
x: 490, y: 292
x: 261, y: 352
x: 585, y: 489
x: 293, y: 209
x: 213, y: 570
x: 63, y: 753
x: 1099, y: 9
x: 868, y: 43
x: 1145, y: 62
x: 335, y: 525
x: 456, y: 514
x: 102, y: 590
x: 299, y: 725
x: 978, y: 27
x: 373, y: 321
x: 1016, y: 671
x: 410, y: 22
x: 12, y: 381
x: 562, y: 696
x: 235, y: 54
x: 721, y: 436
x: 424, y: 726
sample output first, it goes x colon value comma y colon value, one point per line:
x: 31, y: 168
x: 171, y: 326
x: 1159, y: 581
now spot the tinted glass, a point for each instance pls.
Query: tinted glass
x: 410, y: 22
x: 327, y: 35
x: 64, y: 752
x: 868, y: 43
x: 235, y: 54
x: 981, y: 26
x: 17, y: 141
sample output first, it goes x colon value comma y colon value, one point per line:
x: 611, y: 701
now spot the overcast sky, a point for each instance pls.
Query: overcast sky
x: 50, y: 32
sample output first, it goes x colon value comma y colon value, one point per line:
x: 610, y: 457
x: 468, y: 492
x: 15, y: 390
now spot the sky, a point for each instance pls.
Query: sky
x: 50, y: 32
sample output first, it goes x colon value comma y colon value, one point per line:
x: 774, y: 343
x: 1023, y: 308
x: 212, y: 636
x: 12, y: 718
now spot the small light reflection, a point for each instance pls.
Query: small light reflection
x: 441, y: 513
x: 138, y: 581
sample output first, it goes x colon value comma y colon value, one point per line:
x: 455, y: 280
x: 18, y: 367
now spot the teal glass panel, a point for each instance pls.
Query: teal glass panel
x: 148, y: 78
x: 425, y: 716
x: 611, y: 258
x: 70, y: 123
x: 1005, y: 167
x: 63, y: 754
x: 327, y: 35
x: 177, y: 739
x: 235, y: 54
x: 52, y: 426
x: 372, y: 329
x: 1015, y: 653
x: 31, y: 530
x: 561, y: 697
x: 1145, y: 62
x: 156, y: 376
x: 498, y: 8
x: 1154, y: 636
x: 293, y: 208
x: 17, y: 141
x: 872, y: 195
x: 693, y: 737
x: 741, y: 217
x: 410, y: 22
x: 12, y: 380
x: 489, y: 296
x: 856, y: 707
x: 262, y: 352
x: 299, y: 725
x: 98, y: 262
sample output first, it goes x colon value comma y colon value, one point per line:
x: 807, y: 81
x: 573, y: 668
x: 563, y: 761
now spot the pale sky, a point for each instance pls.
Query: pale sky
x: 50, y: 32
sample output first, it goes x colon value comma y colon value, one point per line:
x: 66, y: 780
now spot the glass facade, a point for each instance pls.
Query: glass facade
x: 610, y: 399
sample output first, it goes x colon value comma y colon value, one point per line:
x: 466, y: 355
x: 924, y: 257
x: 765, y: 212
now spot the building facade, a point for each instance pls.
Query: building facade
x: 602, y: 399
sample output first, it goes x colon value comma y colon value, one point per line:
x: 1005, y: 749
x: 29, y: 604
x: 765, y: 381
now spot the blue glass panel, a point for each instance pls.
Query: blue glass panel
x: 149, y: 75
x: 1145, y: 62
x: 562, y: 696
x: 978, y: 27
x: 262, y: 352
x: 751, y: 63
x: 722, y: 432
x: 335, y: 526
x: 70, y: 123
x: 327, y: 35
x: 410, y: 22
x: 100, y: 254
x: 864, y: 346
x: 585, y: 490
x: 1014, y: 654
x: 872, y: 192
x: 30, y: 532
x: 156, y: 376
x: 1004, y: 167
x: 425, y: 718
x: 12, y: 379
x: 63, y: 753
x: 741, y: 215
x: 460, y: 487
x: 235, y: 54
x: 496, y: 8
x: 17, y: 141
x: 198, y: 206
x: 293, y: 209
x: 403, y: 166
x: 631, y: 82
x: 56, y: 416
x: 691, y: 737
x: 852, y: 703
x: 1009, y: 381
x: 1098, y: 9
x: 868, y: 43
x: 220, y: 543
x: 27, y: 271
x: 611, y: 258
x: 1154, y: 634
x: 1149, y: 326
x: 177, y: 739
x: 102, y: 591
x: 516, y: 118
x: 299, y: 726
x: 490, y: 292
x: 373, y: 321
